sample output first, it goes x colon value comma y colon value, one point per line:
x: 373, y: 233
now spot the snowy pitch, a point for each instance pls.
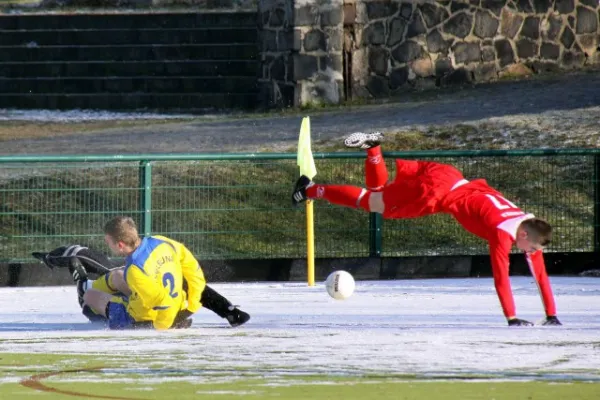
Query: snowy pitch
x: 430, y: 328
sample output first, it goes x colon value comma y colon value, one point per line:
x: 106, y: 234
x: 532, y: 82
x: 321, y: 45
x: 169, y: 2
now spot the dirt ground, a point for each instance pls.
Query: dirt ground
x: 566, y: 108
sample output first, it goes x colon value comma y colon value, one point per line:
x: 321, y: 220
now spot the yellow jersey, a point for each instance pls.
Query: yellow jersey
x: 153, y: 272
x: 192, y: 273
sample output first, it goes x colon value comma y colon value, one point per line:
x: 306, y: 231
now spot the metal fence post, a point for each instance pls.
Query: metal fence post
x: 375, y: 234
x: 146, y: 197
x: 596, y: 185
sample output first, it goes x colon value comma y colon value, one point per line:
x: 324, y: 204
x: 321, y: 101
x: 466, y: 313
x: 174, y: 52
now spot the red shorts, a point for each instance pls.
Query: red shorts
x: 418, y: 188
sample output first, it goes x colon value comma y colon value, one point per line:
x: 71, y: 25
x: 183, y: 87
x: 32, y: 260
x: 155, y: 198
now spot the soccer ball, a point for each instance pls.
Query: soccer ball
x: 340, y: 285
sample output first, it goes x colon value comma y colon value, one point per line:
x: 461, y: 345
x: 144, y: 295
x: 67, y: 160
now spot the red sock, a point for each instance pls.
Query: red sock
x: 342, y: 195
x: 376, y: 174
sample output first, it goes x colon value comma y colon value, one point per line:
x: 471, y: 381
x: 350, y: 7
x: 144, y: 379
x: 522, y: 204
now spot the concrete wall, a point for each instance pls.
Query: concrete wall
x: 360, y: 268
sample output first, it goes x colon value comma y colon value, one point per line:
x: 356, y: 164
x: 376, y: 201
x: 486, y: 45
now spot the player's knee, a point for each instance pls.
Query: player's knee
x: 376, y: 202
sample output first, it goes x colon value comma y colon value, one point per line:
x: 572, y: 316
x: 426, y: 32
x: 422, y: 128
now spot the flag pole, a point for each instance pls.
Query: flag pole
x: 306, y: 163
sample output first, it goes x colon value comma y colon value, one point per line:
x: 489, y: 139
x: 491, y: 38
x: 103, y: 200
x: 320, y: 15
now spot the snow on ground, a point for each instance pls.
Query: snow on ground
x: 431, y: 328
x: 87, y: 115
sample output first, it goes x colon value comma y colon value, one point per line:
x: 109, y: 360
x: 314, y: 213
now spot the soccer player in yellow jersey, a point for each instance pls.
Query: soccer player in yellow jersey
x: 152, y: 276
x: 162, y: 281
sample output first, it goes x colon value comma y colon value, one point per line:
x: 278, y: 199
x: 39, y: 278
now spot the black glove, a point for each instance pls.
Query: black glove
x: 519, y: 322
x: 551, y: 320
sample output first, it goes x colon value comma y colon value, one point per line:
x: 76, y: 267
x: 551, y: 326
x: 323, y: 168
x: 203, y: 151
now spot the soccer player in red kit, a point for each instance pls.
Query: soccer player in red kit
x: 423, y: 188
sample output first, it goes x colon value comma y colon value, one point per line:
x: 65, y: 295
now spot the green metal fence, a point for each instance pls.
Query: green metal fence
x: 239, y: 205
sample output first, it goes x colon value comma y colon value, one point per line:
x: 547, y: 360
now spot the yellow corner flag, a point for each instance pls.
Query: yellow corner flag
x: 305, y: 159
x: 306, y: 163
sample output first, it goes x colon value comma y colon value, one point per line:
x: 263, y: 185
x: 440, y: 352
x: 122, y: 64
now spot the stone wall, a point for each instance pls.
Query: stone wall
x: 300, y: 45
x: 399, y: 44
x: 390, y: 46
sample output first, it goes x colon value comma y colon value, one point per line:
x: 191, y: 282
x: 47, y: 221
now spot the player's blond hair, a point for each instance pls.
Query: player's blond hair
x: 122, y: 229
x: 538, y: 230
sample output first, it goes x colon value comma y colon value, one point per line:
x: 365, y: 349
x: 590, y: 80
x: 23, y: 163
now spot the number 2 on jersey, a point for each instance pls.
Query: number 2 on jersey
x: 500, y: 202
x: 169, y: 279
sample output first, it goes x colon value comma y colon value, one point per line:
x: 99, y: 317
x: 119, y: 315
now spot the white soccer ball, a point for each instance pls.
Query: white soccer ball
x: 340, y: 285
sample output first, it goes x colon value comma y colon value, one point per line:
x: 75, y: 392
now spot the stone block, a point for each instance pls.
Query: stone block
x: 466, y: 52
x: 379, y: 60
x: 416, y: 27
x: 459, y: 25
x: 589, y: 3
x: 485, y: 72
x: 456, y: 6
x: 374, y: 34
x: 587, y: 20
x: 504, y: 52
x: 572, y: 59
x: 564, y: 6
x: 543, y: 66
x: 305, y: 66
x: 527, y: 49
x: 314, y: 40
x: 398, y: 77
x: 422, y: 67
x: 378, y: 86
x: 278, y: 18
x: 332, y: 17
x: 510, y: 23
x: 495, y: 6
x: 488, y: 54
x: 406, y: 10
x: 436, y: 43
x: 531, y: 28
x: 588, y: 43
x: 549, y: 51
x: 524, y: 6
x: 433, y: 14
x: 334, y: 62
x: 407, y: 51
x: 541, y: 6
x: 567, y: 38
x: 486, y: 26
x: 443, y: 66
x: 397, y: 27
x: 335, y: 39
x: 459, y: 76
x: 516, y: 70
x: 277, y: 69
x: 306, y: 15
x: 323, y: 88
x: 551, y: 27
x: 380, y: 9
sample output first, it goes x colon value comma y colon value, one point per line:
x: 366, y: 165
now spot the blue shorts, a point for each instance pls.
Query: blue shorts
x: 118, y: 317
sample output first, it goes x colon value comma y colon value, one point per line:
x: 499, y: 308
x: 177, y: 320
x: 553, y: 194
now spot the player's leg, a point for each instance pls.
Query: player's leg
x: 214, y: 301
x: 376, y: 173
x: 341, y: 195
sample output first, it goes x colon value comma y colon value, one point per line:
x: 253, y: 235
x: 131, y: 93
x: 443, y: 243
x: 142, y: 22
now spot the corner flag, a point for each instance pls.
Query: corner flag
x: 305, y: 158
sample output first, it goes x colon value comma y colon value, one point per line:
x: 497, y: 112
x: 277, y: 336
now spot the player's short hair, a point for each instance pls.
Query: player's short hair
x: 122, y: 229
x: 538, y: 230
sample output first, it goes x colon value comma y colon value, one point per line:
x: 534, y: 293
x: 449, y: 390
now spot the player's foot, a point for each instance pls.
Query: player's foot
x: 364, y: 140
x: 299, y: 194
x: 237, y: 317
x: 551, y: 321
x: 77, y: 270
x: 519, y: 322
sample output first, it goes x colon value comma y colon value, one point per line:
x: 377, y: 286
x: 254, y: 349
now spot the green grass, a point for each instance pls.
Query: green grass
x: 229, y: 209
x: 64, y: 376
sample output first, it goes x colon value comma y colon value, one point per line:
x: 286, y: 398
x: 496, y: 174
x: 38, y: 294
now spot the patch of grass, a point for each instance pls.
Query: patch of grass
x: 64, y: 376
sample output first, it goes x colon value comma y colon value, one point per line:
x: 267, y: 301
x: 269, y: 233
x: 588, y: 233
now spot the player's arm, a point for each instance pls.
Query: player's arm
x: 194, y: 276
x: 537, y: 267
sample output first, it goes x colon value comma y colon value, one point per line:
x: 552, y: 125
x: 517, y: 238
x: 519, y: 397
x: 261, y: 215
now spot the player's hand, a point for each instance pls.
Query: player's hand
x: 519, y: 322
x: 551, y: 320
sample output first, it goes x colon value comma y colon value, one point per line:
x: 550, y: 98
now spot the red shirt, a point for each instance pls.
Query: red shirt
x: 484, y: 212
